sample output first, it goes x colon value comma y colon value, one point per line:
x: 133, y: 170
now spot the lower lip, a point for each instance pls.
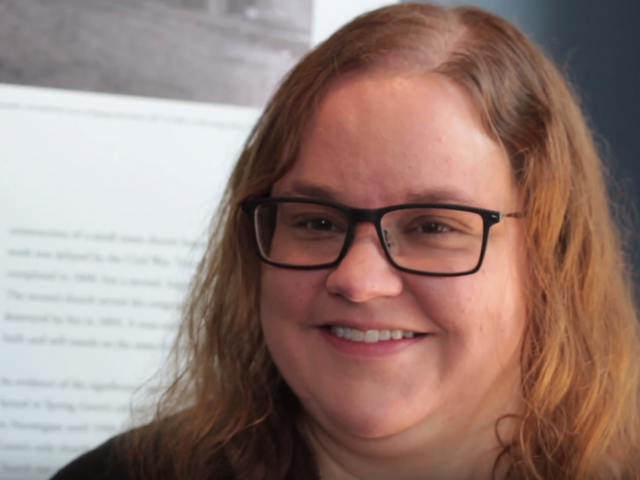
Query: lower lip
x: 375, y: 349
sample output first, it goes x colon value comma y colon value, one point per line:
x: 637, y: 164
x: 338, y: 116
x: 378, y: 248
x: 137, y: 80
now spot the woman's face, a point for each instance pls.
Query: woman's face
x: 379, y: 140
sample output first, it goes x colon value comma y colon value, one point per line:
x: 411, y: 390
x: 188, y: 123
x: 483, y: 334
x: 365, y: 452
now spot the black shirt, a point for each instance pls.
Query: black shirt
x: 106, y: 463
x: 101, y: 463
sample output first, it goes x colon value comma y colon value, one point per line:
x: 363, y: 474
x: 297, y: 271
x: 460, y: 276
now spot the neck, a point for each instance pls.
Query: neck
x: 365, y: 460
x: 462, y: 449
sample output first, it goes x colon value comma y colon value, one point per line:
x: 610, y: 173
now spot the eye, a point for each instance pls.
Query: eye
x: 430, y: 225
x: 317, y: 224
x: 433, y: 227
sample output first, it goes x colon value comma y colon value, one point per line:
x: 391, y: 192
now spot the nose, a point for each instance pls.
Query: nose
x: 365, y: 272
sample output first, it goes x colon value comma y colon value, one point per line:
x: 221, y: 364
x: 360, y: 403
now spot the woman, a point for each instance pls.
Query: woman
x: 414, y: 275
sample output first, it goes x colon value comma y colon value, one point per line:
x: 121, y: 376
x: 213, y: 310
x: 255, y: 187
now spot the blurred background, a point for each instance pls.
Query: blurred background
x: 216, y: 51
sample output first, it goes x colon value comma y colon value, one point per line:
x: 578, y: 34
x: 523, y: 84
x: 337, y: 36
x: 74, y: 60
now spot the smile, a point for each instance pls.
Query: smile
x: 370, y: 336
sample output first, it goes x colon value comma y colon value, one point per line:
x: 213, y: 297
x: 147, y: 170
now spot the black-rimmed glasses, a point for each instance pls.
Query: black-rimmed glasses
x: 426, y: 239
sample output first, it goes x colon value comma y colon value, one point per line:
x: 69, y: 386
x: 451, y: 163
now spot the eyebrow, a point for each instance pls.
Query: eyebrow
x: 330, y: 194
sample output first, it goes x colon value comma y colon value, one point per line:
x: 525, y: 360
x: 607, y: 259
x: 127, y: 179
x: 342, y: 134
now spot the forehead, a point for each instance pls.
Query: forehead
x: 379, y: 139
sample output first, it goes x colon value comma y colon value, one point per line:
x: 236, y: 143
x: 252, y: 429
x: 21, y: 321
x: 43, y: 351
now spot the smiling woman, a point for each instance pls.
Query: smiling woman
x: 461, y: 334
x: 414, y: 275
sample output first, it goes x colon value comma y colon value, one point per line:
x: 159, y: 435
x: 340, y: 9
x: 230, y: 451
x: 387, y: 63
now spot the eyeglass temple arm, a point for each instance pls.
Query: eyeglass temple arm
x: 512, y: 215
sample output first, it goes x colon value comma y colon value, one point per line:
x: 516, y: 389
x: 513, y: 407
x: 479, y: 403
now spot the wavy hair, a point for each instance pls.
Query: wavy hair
x: 227, y: 414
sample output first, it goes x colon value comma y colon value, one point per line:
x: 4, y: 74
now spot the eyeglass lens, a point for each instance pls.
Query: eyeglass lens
x: 436, y: 240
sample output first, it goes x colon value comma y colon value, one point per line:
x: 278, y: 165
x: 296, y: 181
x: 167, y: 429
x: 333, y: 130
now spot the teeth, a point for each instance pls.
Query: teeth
x: 370, y: 336
x: 357, y: 335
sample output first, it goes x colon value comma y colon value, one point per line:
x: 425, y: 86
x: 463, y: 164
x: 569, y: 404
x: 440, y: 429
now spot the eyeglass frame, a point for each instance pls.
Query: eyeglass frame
x: 374, y: 216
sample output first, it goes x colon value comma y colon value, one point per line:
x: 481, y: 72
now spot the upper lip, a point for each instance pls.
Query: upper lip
x: 370, y: 325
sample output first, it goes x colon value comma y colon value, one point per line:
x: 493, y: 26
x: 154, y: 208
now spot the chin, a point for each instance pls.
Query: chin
x: 365, y: 419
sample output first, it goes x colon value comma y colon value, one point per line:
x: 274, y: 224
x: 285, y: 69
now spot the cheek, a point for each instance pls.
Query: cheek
x: 287, y: 296
x: 480, y: 314
x: 286, y: 313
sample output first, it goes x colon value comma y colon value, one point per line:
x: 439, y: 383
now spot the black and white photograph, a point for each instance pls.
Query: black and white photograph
x: 215, y: 51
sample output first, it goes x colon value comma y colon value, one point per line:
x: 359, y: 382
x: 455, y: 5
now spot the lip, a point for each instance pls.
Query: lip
x: 370, y: 350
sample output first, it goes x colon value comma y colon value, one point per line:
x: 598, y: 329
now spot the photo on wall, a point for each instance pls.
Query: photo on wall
x: 215, y: 51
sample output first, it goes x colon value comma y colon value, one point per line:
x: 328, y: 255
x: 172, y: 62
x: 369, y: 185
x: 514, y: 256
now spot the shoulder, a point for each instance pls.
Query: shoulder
x: 106, y: 462
x: 102, y: 463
